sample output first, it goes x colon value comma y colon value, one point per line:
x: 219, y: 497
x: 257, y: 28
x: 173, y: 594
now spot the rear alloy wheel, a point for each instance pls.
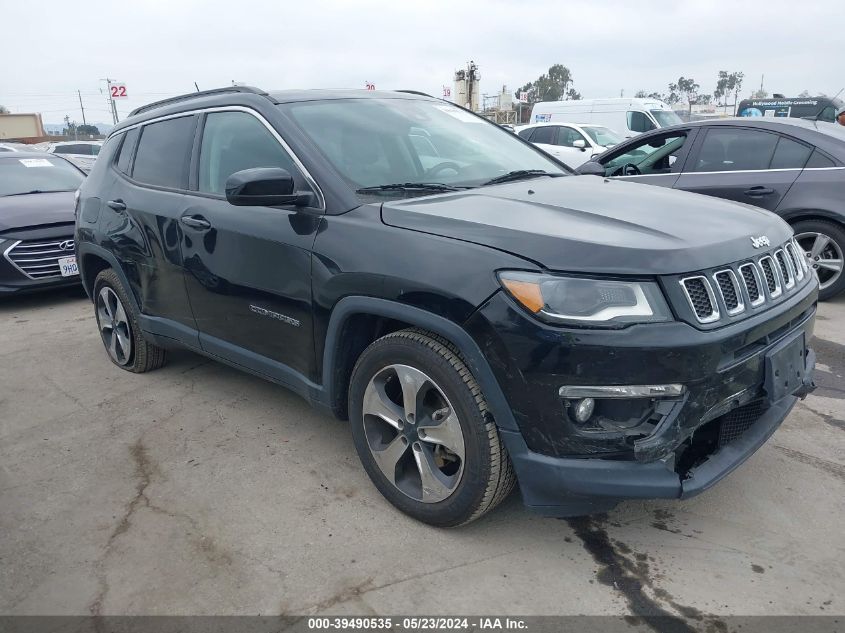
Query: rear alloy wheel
x: 114, y: 326
x: 422, y: 430
x: 823, y: 244
x: 118, y: 324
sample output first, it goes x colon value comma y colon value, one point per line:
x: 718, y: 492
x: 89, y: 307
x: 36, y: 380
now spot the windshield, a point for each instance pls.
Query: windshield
x: 665, y: 118
x: 602, y: 136
x: 44, y: 175
x: 376, y: 142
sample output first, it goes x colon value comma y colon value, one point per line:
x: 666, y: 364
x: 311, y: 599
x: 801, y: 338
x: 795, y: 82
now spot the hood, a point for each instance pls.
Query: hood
x: 35, y: 209
x: 591, y: 224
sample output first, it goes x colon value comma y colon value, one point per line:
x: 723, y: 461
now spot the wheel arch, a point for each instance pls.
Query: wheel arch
x: 344, y: 344
x: 797, y: 215
x: 92, y: 261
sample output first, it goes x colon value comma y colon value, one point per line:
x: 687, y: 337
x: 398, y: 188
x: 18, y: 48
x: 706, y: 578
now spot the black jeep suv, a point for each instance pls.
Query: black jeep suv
x: 480, y: 317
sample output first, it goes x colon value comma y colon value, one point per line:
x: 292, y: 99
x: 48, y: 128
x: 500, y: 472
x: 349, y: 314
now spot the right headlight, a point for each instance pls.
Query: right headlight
x: 586, y: 302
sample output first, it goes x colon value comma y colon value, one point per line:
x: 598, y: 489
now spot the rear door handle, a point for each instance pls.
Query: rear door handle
x: 759, y: 191
x: 117, y: 205
x: 196, y: 222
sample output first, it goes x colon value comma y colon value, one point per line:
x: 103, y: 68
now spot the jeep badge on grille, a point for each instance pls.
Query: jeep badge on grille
x: 758, y: 242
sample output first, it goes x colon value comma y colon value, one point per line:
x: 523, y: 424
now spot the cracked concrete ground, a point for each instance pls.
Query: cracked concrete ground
x: 200, y: 490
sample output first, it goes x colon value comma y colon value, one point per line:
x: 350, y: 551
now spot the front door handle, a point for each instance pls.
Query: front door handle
x: 196, y: 222
x: 759, y: 191
x: 117, y: 205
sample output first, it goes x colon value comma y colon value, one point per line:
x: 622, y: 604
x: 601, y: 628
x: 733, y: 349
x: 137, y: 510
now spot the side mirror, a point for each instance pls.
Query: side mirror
x: 263, y: 186
x: 580, y: 144
x: 590, y: 168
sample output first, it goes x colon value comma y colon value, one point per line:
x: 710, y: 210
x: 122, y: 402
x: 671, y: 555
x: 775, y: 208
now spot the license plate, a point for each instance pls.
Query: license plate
x: 68, y: 266
x: 785, y: 367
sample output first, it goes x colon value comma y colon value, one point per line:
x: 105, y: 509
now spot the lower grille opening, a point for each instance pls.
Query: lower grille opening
x: 716, y: 434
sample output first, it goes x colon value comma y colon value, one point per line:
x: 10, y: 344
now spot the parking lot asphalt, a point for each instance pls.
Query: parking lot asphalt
x: 197, y: 489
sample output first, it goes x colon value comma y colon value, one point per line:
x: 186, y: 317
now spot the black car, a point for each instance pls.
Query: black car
x: 36, y: 222
x: 477, y: 314
x: 793, y: 167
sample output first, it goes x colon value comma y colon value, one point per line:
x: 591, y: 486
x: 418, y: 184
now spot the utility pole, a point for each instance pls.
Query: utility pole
x: 81, y: 107
x: 112, y: 104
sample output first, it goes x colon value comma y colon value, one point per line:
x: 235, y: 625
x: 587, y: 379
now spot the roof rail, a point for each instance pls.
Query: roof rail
x: 201, y: 93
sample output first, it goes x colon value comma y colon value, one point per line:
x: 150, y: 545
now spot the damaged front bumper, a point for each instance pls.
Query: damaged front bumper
x: 740, y: 383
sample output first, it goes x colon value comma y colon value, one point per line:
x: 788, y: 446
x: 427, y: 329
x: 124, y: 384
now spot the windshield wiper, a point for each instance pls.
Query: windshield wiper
x: 409, y: 186
x: 26, y: 193
x: 519, y: 174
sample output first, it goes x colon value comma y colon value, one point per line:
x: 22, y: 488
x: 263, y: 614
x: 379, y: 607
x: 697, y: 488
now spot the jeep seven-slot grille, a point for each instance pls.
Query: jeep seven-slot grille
x: 750, y: 278
x: 40, y: 259
x: 769, y: 273
x: 796, y: 263
x: 729, y: 290
x: 747, y: 285
x: 701, y: 298
x: 785, y: 269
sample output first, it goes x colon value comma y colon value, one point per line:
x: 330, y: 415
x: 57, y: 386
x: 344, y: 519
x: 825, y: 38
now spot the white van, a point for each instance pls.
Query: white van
x: 627, y: 117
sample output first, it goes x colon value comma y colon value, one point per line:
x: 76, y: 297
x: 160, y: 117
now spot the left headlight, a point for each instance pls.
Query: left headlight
x: 586, y: 302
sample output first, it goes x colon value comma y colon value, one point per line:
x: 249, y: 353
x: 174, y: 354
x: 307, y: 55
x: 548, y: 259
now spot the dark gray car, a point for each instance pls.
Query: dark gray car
x: 793, y: 167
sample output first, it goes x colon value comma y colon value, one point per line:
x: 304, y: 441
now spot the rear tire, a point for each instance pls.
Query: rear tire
x: 825, y: 241
x: 117, y: 321
x: 440, y: 458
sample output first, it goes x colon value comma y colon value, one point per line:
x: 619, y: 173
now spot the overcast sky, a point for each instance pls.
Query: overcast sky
x: 160, y: 48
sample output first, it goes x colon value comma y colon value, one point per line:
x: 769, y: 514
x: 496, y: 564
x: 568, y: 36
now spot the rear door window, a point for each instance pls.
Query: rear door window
x: 819, y: 161
x: 790, y: 154
x: 126, y: 150
x: 163, y: 153
x: 544, y: 134
x: 735, y: 149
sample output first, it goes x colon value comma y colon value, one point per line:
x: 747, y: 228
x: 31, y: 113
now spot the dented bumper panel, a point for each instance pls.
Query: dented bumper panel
x: 721, y: 370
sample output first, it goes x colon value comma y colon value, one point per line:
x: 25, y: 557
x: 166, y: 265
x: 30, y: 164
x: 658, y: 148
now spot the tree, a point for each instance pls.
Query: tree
x: 88, y: 129
x: 686, y: 88
x: 4, y: 109
x: 728, y: 84
x: 556, y: 85
x: 760, y: 94
x: 642, y: 94
x: 804, y: 94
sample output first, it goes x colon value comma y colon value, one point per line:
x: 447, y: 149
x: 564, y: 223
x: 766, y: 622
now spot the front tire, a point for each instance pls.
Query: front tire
x: 823, y: 244
x: 119, y: 329
x: 423, y: 433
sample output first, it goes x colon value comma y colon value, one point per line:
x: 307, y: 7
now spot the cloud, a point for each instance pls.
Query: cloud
x: 161, y: 48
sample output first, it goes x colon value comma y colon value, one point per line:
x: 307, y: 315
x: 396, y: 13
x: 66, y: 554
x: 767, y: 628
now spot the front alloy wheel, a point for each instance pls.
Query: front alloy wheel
x: 422, y: 429
x: 413, y: 433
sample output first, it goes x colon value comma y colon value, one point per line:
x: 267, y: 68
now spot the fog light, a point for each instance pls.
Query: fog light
x: 583, y: 409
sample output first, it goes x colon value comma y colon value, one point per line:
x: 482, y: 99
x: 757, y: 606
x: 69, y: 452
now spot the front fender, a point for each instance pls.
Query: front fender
x: 471, y: 353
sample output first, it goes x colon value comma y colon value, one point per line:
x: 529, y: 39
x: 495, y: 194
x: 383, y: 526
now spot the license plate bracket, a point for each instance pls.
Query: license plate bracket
x: 785, y: 367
